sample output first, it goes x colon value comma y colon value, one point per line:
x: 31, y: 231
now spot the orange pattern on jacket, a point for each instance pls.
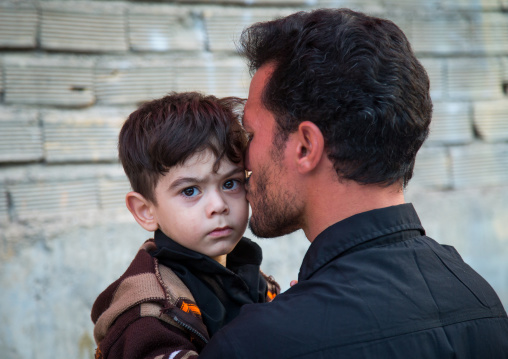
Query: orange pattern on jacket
x: 190, y: 308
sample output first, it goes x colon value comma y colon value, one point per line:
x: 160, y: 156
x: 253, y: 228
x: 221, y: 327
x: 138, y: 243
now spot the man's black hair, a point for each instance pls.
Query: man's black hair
x: 353, y: 75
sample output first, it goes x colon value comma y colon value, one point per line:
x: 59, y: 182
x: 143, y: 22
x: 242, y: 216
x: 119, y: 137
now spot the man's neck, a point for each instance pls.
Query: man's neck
x: 345, y: 200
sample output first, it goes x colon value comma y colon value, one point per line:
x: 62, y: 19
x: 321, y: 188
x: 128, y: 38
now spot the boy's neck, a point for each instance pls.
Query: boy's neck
x: 221, y: 259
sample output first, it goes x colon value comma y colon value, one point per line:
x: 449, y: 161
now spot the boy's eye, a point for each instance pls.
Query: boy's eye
x: 190, y: 192
x: 250, y: 135
x: 231, y: 184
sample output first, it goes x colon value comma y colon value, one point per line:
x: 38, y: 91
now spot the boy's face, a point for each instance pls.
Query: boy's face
x: 202, y: 210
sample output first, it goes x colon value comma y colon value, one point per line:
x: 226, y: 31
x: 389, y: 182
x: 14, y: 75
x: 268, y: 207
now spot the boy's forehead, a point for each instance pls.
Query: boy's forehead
x: 204, y: 162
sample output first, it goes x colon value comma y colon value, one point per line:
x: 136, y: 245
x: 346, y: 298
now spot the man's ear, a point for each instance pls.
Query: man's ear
x: 310, y: 147
x: 142, y: 211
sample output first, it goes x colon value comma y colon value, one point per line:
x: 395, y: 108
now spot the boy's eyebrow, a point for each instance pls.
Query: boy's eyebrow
x: 184, y: 180
x: 235, y: 171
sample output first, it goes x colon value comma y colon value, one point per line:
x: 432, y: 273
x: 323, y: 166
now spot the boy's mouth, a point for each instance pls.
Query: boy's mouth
x: 221, y: 231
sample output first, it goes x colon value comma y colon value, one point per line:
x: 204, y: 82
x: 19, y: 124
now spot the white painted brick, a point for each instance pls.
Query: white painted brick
x: 49, y: 80
x: 4, y: 208
x: 479, y: 165
x: 491, y: 32
x: 404, y: 23
x: 432, y: 168
x: 435, y: 71
x: 371, y: 7
x: 18, y: 25
x: 411, y: 5
x: 47, y: 191
x: 504, y: 62
x: 215, y: 75
x: 478, y: 78
x: 20, y: 135
x: 65, y: 172
x: 90, y: 135
x: 49, y: 198
x: 164, y: 28
x: 224, y: 26
x: 477, y: 5
x: 491, y: 120
x: 83, y: 26
x: 112, y: 193
x: 252, y: 2
x: 451, y: 123
x: 1, y: 76
x: 442, y: 34
x: 129, y: 81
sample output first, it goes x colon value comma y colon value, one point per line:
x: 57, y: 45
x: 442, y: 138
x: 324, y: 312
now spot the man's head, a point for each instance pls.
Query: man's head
x: 351, y: 76
x: 183, y: 156
x: 356, y: 78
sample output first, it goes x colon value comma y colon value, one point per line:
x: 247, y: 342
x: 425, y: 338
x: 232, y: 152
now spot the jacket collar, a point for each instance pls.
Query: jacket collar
x: 348, y: 234
x: 219, y: 292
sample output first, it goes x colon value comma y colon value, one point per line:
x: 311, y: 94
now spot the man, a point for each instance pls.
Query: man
x: 337, y: 109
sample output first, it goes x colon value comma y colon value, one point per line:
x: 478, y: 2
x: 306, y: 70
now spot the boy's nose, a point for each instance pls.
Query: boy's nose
x: 217, y: 204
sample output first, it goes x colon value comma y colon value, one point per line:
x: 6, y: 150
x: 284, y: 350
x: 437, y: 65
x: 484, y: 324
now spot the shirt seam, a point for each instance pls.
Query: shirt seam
x: 373, y: 235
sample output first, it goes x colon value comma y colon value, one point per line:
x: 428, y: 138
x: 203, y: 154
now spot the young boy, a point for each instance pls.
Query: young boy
x: 183, y: 155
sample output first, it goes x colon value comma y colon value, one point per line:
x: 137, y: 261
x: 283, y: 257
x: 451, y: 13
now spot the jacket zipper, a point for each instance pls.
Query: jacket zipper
x: 190, y: 329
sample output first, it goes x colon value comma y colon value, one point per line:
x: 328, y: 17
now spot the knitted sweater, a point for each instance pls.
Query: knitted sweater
x: 150, y: 313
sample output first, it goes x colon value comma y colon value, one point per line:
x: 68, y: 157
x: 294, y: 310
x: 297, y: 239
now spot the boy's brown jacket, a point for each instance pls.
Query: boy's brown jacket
x: 149, y: 313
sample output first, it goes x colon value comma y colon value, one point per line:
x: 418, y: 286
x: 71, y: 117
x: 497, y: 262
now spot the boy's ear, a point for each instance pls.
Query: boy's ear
x: 142, y: 211
x: 310, y: 146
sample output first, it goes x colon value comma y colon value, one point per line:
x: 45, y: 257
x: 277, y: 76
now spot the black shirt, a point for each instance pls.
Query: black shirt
x: 374, y: 286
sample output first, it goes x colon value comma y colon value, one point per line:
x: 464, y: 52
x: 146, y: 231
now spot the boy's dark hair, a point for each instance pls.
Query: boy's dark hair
x: 165, y: 132
x: 355, y: 77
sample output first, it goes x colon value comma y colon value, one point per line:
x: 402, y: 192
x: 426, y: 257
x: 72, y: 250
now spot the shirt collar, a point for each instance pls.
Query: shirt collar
x: 355, y: 230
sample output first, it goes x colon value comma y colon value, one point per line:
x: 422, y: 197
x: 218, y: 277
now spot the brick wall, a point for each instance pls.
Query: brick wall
x: 70, y: 72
